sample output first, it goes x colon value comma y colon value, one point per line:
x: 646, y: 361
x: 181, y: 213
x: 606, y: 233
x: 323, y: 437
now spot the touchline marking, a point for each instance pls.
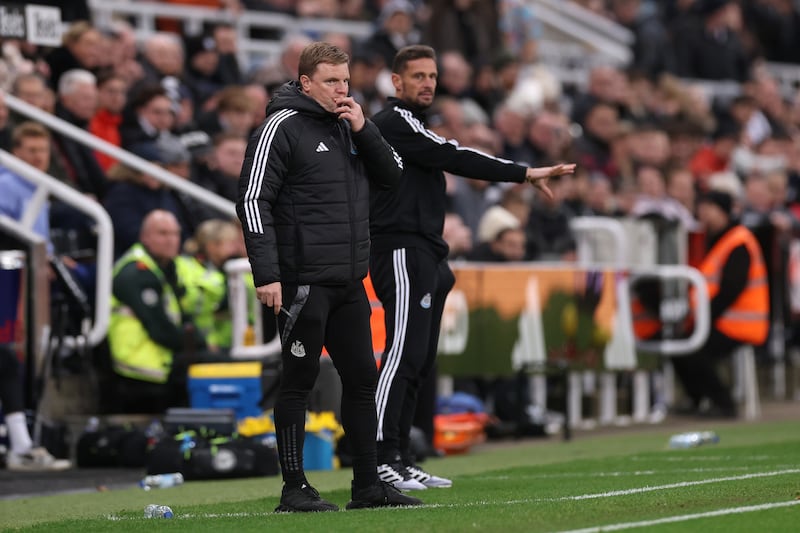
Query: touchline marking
x: 635, y: 473
x: 682, y: 484
x: 684, y: 518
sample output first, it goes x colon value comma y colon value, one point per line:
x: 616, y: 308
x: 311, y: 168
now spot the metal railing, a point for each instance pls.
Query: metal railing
x: 46, y: 186
x: 250, y: 49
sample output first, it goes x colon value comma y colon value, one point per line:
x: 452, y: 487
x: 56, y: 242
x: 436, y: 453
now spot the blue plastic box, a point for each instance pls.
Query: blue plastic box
x: 318, y: 450
x: 234, y: 386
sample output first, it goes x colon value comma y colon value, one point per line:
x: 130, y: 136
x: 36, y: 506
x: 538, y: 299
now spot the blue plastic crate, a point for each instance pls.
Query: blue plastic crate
x: 217, y: 386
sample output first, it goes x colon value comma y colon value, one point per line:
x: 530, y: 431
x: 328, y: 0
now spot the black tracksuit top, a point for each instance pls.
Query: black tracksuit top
x: 304, y: 192
x: 412, y: 215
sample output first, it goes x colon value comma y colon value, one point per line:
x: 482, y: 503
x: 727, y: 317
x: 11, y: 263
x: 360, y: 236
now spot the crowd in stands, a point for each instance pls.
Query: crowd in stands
x: 646, y: 141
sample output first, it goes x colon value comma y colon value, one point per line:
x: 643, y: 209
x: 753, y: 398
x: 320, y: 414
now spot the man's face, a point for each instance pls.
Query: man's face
x: 162, y: 236
x: 82, y: 102
x: 112, y: 95
x: 416, y: 85
x: 35, y: 151
x: 327, y: 84
x: 158, y: 112
x: 511, y: 245
x: 32, y: 91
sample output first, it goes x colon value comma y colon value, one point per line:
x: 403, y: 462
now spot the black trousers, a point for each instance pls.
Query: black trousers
x: 337, y: 317
x: 412, y: 284
x: 697, y: 372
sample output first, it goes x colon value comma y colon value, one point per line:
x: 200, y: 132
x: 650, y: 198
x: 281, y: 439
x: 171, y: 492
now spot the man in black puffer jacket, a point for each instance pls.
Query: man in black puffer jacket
x: 304, y: 206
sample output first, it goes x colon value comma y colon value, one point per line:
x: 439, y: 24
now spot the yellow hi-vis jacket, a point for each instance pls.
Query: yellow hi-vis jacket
x: 133, y: 353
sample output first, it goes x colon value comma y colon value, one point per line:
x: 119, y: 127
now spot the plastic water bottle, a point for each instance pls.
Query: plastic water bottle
x: 693, y: 439
x: 161, y: 481
x: 157, y: 511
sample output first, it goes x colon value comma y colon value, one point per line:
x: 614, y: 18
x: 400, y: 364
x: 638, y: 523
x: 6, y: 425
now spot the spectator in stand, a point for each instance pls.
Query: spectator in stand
x: 81, y: 49
x: 455, y: 78
x: 600, y: 200
x: 112, y: 92
x: 653, y: 201
x: 681, y: 187
x: 593, y: 148
x: 77, y: 104
x: 606, y: 84
x: 163, y: 63
x: 228, y: 70
x: 469, y: 27
x: 457, y: 235
x: 30, y: 142
x: 396, y: 29
x: 776, y: 25
x: 123, y: 52
x: 711, y: 48
x: 202, y: 274
x: 651, y: 46
x: 225, y: 164
x: 716, y: 156
x: 200, y: 71
x: 258, y: 97
x: 548, y: 235
x: 148, y: 116
x: 501, y: 237
x: 365, y: 67
x: 176, y: 158
x: 512, y: 127
x: 23, y: 455
x: 649, y: 145
x: 233, y: 113
x: 520, y: 29
x: 134, y: 194
x: 32, y: 89
x: 548, y: 137
x: 283, y: 68
x: 318, y: 8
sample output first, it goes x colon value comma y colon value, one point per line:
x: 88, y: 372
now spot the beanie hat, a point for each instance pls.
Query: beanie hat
x: 721, y: 199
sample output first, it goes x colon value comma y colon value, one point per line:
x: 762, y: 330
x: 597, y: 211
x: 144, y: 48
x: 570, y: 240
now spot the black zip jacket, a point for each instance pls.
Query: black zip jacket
x: 413, y: 214
x: 304, y: 192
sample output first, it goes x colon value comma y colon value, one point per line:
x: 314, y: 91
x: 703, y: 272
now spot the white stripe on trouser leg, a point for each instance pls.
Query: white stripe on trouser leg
x: 394, y: 354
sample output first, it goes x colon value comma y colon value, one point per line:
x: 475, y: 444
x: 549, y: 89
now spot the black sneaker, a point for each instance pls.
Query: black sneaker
x: 381, y: 494
x: 303, y: 499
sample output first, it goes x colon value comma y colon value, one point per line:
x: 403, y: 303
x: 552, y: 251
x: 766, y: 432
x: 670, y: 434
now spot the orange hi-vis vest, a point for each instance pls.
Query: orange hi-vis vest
x: 645, y: 324
x: 747, y: 319
x: 376, y: 319
x: 377, y: 325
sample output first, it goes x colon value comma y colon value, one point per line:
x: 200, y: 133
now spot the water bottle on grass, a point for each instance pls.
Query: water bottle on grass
x: 157, y: 511
x: 693, y: 439
x: 161, y: 481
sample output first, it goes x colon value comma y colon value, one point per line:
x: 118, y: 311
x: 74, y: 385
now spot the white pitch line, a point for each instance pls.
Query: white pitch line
x: 684, y: 518
x: 682, y: 484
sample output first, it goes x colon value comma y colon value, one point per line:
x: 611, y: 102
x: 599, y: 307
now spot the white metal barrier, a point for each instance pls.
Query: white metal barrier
x: 47, y: 185
x: 251, y: 50
x: 241, y: 307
